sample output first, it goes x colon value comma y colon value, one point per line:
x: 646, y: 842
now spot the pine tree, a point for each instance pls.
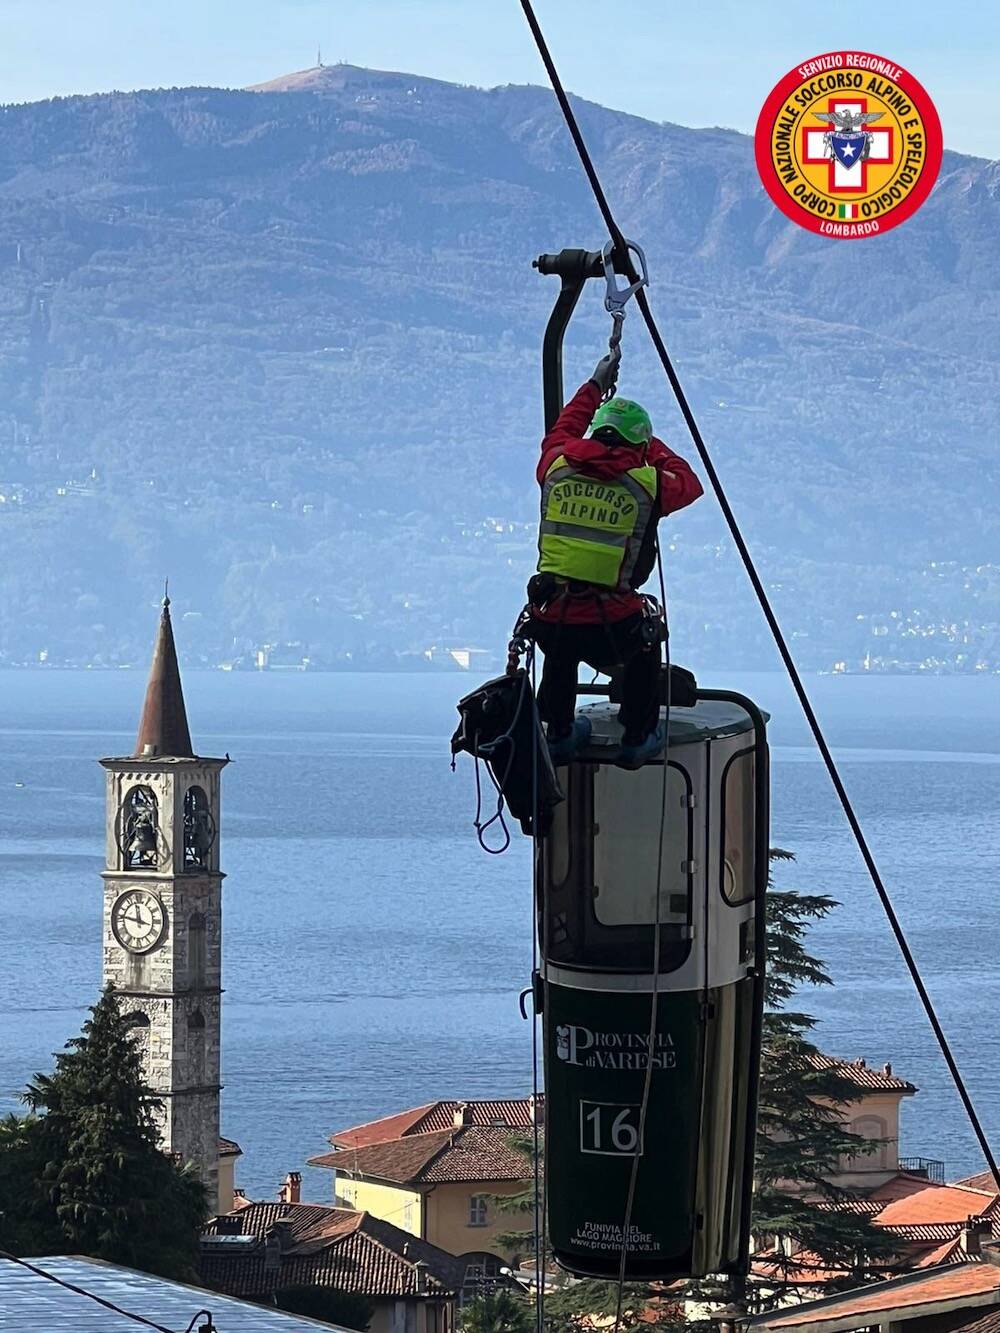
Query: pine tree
x: 102, y: 1185
x: 801, y: 1136
x: 497, y: 1311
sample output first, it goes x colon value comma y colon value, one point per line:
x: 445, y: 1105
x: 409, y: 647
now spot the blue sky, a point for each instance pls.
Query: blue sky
x: 697, y: 64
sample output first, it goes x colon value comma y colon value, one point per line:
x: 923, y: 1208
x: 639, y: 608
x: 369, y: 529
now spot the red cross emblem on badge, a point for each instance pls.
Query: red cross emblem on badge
x: 816, y: 149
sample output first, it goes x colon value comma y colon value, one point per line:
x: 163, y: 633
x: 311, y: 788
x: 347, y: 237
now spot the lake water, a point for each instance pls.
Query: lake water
x: 374, y: 955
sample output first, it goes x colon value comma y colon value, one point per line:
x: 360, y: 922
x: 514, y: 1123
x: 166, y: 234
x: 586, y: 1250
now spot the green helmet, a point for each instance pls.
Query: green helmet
x: 626, y: 417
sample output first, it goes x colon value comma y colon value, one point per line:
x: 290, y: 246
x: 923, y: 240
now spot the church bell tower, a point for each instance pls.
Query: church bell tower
x: 163, y: 911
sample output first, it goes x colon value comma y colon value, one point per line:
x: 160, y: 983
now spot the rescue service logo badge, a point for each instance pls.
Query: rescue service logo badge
x: 848, y: 144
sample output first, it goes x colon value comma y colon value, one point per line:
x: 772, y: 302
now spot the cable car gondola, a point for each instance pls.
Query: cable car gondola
x: 650, y: 1125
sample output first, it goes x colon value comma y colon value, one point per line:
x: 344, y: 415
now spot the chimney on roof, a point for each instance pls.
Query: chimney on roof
x: 272, y: 1253
x: 280, y: 1235
x: 291, y: 1188
x: 537, y: 1105
x: 461, y: 1116
x: 887, y: 1071
x: 972, y: 1235
x: 420, y: 1272
x: 861, y: 1062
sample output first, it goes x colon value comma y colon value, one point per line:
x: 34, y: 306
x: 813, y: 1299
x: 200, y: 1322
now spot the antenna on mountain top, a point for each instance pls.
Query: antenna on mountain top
x: 319, y: 57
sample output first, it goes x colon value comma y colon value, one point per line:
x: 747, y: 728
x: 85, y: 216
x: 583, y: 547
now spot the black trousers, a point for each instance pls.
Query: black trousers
x: 602, y: 647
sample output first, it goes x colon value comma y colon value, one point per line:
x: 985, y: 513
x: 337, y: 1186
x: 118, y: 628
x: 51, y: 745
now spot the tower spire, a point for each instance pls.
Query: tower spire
x: 163, y: 729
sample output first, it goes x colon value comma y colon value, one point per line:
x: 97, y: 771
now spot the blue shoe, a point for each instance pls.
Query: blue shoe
x: 634, y: 756
x: 564, y: 749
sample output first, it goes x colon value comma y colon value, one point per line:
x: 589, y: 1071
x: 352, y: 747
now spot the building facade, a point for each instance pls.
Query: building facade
x: 280, y: 1252
x: 438, y: 1172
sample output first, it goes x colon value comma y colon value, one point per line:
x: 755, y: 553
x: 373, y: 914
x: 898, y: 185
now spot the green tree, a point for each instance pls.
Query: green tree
x: 23, y: 1229
x: 498, y: 1311
x: 101, y: 1185
x: 801, y: 1138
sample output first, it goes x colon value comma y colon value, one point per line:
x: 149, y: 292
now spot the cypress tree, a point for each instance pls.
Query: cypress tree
x: 103, y: 1187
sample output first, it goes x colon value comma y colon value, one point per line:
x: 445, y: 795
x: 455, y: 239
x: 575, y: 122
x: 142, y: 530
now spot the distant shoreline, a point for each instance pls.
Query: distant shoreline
x: 485, y: 668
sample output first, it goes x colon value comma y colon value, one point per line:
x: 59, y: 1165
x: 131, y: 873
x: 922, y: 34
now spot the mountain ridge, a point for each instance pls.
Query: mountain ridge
x: 294, y: 333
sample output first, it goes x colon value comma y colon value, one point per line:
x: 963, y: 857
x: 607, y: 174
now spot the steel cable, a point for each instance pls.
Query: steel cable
x: 694, y: 430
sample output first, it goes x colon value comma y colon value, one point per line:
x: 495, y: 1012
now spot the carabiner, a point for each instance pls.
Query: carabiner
x: 617, y: 297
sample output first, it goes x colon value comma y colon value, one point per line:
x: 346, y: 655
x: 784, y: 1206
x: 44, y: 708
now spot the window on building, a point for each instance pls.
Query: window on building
x: 870, y: 1127
x: 478, y: 1216
x: 196, y: 1046
x: 482, y: 1274
x: 196, y: 949
x: 738, y: 829
x: 603, y: 895
x: 139, y: 830
x: 199, y: 830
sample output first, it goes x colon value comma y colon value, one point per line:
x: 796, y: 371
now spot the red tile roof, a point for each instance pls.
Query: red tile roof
x: 327, y: 1247
x: 229, y: 1148
x: 507, y: 1113
x: 804, y: 1269
x: 982, y: 1181
x: 934, y: 1232
x: 934, y: 1203
x: 975, y: 1283
x: 900, y: 1186
x: 948, y: 1252
x: 469, y: 1154
x: 872, y: 1080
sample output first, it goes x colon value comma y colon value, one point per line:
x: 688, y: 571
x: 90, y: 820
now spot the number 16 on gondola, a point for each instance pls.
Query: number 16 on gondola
x: 610, y: 1129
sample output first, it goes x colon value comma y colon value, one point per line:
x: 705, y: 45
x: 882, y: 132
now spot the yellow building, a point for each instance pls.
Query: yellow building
x: 436, y: 1172
x: 873, y: 1115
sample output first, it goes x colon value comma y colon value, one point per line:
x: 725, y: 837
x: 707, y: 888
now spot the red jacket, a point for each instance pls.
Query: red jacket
x: 678, y: 487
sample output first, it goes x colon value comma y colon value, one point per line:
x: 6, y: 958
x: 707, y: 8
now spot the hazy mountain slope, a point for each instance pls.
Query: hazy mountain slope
x: 295, y: 334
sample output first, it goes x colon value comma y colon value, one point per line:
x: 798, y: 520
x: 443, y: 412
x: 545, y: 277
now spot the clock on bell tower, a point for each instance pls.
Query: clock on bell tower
x: 163, y: 911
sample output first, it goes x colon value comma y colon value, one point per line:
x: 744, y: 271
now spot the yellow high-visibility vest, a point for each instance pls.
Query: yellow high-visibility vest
x: 592, y: 530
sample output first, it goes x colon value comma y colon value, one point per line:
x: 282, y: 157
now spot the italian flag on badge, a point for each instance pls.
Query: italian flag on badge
x: 847, y: 211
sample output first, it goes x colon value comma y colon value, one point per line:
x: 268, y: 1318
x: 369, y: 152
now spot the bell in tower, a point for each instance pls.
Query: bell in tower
x: 163, y: 910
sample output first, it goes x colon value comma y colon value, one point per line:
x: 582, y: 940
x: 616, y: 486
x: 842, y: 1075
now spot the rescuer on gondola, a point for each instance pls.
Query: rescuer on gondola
x: 602, y: 497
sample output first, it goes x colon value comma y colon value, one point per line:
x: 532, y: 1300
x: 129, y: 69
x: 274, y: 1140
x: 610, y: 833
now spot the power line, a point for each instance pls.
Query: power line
x: 748, y: 563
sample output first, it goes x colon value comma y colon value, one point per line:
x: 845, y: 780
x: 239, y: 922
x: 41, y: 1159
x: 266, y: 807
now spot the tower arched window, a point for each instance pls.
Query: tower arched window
x: 196, y: 1046
x: 196, y: 949
x: 139, y: 829
x: 199, y: 829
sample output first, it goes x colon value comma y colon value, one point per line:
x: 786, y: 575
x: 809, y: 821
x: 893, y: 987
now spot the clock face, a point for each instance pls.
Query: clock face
x: 138, y: 920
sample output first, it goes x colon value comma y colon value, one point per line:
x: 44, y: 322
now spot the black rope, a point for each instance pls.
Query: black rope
x: 758, y: 587
x: 654, y: 1003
